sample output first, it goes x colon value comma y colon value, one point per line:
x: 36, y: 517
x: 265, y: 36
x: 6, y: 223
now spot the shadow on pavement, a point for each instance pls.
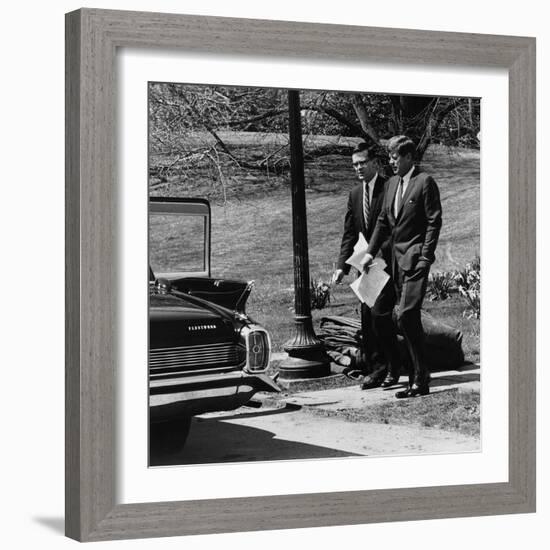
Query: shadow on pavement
x: 213, y: 440
x: 454, y: 379
x: 258, y: 412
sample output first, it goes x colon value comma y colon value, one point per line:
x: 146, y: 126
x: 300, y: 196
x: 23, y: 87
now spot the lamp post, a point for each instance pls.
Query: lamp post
x: 306, y: 353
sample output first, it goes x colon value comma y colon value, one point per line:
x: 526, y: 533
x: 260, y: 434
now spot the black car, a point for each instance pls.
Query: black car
x: 205, y: 353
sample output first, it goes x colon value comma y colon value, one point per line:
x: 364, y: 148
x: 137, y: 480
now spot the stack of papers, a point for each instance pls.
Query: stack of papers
x: 369, y: 285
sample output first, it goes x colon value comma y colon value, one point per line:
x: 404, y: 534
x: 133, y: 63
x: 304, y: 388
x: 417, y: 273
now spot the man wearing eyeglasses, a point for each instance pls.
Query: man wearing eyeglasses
x: 364, y: 206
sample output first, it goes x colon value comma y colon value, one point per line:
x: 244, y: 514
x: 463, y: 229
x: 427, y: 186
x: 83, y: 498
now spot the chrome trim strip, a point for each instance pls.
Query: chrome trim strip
x: 193, y: 373
x: 209, y: 346
x: 182, y: 364
x: 161, y: 361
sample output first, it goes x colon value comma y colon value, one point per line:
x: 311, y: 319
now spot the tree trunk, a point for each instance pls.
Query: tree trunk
x: 362, y: 115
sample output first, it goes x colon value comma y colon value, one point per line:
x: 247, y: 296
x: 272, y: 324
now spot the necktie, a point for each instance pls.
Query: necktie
x: 398, y: 196
x: 366, y: 203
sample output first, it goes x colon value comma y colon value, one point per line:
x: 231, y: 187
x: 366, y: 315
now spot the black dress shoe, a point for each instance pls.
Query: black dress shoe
x: 390, y: 380
x: 413, y: 391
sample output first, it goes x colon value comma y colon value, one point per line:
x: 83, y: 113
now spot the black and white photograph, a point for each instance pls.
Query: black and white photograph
x: 314, y: 274
x: 271, y: 275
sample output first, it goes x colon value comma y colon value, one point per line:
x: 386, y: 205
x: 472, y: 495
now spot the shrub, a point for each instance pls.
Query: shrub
x: 441, y: 285
x: 466, y: 282
x: 469, y: 282
x: 319, y: 294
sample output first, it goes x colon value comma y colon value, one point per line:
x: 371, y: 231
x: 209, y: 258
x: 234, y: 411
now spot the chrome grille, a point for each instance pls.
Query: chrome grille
x: 178, y: 361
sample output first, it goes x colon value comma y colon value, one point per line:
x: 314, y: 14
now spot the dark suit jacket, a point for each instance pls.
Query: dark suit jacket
x: 414, y: 233
x: 354, y: 222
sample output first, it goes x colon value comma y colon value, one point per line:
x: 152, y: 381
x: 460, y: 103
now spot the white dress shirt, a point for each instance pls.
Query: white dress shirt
x: 406, y: 179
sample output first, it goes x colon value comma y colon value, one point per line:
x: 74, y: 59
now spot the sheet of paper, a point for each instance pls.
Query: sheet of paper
x: 369, y: 285
x: 359, y: 251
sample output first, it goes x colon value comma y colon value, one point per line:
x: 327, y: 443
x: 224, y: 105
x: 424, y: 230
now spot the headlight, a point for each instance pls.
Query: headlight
x: 258, y: 348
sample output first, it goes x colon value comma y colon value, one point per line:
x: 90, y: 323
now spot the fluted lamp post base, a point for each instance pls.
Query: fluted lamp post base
x: 306, y: 354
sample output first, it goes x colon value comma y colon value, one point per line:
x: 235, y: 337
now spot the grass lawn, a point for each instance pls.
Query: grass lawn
x: 450, y: 410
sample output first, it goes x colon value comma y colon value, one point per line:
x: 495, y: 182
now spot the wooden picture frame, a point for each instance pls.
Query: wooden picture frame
x: 92, y: 39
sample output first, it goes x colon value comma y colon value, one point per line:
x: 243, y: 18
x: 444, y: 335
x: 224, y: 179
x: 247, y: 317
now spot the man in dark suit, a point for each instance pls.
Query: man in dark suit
x: 364, y: 206
x: 411, y: 218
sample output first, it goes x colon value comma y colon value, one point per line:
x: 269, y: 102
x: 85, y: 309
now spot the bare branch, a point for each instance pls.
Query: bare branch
x: 263, y: 116
x: 352, y: 126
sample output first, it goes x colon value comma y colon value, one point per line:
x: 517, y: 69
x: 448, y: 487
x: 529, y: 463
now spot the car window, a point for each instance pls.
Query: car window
x: 177, y: 243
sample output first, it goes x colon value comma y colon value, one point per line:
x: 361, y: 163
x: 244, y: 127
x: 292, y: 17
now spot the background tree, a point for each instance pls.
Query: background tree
x: 194, y: 128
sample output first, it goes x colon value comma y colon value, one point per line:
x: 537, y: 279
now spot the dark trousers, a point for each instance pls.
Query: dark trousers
x: 379, y: 335
x: 406, y: 289
x: 374, y: 362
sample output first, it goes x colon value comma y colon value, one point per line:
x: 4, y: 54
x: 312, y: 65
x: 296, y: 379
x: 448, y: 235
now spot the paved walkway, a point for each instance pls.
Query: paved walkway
x: 466, y: 378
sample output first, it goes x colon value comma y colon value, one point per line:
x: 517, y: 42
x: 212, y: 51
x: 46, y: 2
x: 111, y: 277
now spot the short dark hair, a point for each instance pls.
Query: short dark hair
x: 373, y: 151
x: 402, y: 145
x: 360, y: 148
